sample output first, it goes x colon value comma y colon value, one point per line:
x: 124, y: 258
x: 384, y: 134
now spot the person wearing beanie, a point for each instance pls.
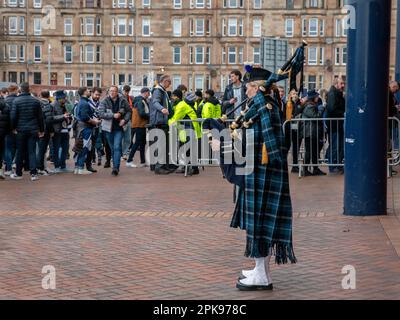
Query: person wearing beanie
x: 212, y: 106
x: 199, y: 102
x: 176, y: 97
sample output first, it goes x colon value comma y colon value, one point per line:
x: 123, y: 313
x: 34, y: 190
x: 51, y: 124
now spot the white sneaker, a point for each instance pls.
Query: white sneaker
x: 8, y: 173
x: 141, y: 165
x: 34, y: 177
x: 14, y: 176
x: 43, y: 173
x: 84, y: 172
x: 76, y: 171
x: 57, y: 170
x: 131, y: 165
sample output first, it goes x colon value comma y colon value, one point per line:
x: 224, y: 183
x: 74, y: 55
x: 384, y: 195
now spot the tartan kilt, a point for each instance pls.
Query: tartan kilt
x: 264, y: 209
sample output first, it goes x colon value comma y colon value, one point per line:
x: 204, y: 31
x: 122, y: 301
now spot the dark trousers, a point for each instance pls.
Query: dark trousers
x: 43, y: 145
x: 92, y: 153
x: 26, y: 145
x: 292, y: 140
x: 164, y: 165
x: 313, y: 149
x: 106, y: 146
x: 60, y: 140
x: 140, y: 144
x: 335, y: 151
x: 2, y: 149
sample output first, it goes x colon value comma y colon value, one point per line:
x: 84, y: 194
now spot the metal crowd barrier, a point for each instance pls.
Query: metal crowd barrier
x: 321, y: 143
x: 312, y: 143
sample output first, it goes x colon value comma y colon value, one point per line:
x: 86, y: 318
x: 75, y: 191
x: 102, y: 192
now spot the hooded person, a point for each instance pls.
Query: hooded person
x: 263, y: 207
x: 212, y: 106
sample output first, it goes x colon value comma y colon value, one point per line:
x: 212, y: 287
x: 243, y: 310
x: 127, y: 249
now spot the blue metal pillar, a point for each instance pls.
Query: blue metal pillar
x: 366, y: 115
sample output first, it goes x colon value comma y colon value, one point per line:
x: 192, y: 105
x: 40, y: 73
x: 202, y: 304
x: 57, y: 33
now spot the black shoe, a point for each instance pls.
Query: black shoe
x: 295, y: 170
x: 107, y: 165
x: 318, y: 172
x: 115, y: 172
x: 162, y: 171
x: 99, y: 162
x: 243, y: 287
x: 307, y: 173
x: 91, y: 169
x: 195, y: 171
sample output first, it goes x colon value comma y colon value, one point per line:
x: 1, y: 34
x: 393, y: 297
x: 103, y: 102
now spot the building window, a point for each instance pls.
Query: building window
x: 146, y: 3
x: 12, y: 53
x: 68, y: 79
x: 313, y: 27
x: 21, y: 25
x: 313, y: 4
x: 98, y: 26
x: 37, y: 50
x: 22, y: 77
x: 145, y: 81
x: 232, y: 27
x: 146, y: 55
x: 223, y: 57
x: 199, y: 55
x: 130, y: 54
x: 322, y: 28
x: 257, y: 4
x: 208, y: 55
x: 176, y: 81
x: 200, y: 4
x: 321, y: 81
x: 12, y: 76
x: 177, y: 27
x: 257, y: 27
x: 256, y: 55
x: 312, y: 55
x: 68, y: 53
x: 37, y: 78
x: 338, y: 27
x: 89, y: 50
x: 121, y: 26
x: 199, y: 82
x: 233, y: 3
x: 37, y: 26
x: 232, y: 55
x: 303, y: 27
x: 344, y: 56
x: 68, y: 26
x: 337, y: 56
x: 177, y: 55
x: 177, y: 4
x: 37, y: 3
x: 289, y: 4
x: 199, y: 27
x: 289, y: 23
x: 146, y: 27
x: 121, y: 54
x: 12, y: 25
x: 321, y: 56
x: 22, y: 53
x: 98, y: 54
x: 89, y: 26
x: 312, y: 82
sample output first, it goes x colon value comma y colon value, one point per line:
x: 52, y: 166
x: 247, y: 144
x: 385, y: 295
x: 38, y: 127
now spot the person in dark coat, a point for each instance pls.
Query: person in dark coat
x: 336, y: 108
x: 140, y: 118
x: 313, y: 132
x: 4, y: 130
x: 263, y: 207
x: 160, y: 111
x: 27, y: 120
x: 11, y: 137
x: 234, y: 94
x: 49, y: 132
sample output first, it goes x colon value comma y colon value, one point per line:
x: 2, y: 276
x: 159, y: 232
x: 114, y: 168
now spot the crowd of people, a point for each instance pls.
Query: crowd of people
x: 37, y: 131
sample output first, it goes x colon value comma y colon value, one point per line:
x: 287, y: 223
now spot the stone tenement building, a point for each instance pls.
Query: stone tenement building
x: 197, y: 42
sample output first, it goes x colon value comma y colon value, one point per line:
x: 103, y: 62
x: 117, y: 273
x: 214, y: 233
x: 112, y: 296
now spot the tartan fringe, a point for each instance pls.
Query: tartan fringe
x: 283, y: 252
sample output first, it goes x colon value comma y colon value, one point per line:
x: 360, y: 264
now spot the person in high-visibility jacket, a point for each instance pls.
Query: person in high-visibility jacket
x: 186, y: 110
x: 212, y: 106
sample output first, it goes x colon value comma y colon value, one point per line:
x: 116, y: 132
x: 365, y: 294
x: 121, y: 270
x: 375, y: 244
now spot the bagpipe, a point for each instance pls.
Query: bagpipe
x: 248, y: 116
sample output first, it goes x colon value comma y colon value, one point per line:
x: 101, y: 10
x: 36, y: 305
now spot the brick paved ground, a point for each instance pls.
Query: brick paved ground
x: 144, y: 237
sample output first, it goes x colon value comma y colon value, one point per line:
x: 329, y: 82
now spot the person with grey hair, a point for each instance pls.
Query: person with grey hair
x: 160, y: 111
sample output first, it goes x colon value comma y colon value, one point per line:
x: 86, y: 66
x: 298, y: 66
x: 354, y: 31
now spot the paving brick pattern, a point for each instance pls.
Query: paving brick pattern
x: 144, y: 237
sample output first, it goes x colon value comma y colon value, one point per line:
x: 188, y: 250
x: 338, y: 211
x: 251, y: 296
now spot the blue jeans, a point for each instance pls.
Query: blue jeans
x: 114, y: 140
x: 81, y: 159
x: 42, y: 150
x: 10, y: 150
x: 60, y: 140
x: 335, y: 152
x: 127, y: 140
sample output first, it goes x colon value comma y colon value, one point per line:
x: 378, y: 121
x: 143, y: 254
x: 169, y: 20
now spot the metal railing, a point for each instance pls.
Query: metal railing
x: 312, y: 143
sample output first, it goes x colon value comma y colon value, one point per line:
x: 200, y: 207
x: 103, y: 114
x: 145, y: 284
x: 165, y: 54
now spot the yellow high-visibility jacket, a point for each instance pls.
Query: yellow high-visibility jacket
x: 183, y: 110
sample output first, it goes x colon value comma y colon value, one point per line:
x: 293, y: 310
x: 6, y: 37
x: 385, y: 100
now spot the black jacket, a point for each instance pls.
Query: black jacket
x: 26, y: 114
x: 4, y: 118
x: 335, y: 104
x: 47, y: 115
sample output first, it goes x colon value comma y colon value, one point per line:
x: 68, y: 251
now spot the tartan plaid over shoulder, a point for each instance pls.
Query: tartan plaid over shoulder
x: 263, y: 207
